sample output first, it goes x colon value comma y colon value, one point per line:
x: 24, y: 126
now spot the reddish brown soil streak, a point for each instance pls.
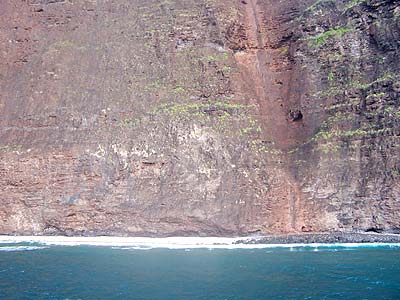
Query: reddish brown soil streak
x: 256, y: 61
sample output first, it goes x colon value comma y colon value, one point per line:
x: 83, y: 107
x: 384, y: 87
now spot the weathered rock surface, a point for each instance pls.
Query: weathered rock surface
x: 199, y: 117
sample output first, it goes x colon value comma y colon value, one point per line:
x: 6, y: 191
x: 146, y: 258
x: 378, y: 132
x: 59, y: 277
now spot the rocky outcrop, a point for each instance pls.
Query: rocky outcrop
x: 199, y: 117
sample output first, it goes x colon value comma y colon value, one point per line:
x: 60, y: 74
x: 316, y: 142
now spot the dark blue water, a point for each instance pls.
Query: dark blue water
x: 106, y: 273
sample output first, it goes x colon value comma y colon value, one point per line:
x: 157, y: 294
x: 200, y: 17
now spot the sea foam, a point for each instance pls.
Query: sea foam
x: 146, y: 243
x: 20, y: 248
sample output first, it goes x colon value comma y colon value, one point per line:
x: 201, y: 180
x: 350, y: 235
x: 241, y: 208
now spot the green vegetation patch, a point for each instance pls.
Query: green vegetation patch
x: 208, y: 107
x: 335, y: 90
x: 320, y: 40
x: 179, y: 89
x: 316, y: 4
x: 363, y: 86
x: 353, y: 4
x: 10, y: 148
x: 260, y: 147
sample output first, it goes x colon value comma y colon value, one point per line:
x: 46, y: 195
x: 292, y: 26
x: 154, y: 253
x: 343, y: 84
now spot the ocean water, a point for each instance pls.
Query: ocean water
x: 52, y: 270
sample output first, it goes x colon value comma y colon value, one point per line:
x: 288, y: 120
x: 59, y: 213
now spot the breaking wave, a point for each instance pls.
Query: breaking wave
x: 20, y: 248
x: 144, y: 243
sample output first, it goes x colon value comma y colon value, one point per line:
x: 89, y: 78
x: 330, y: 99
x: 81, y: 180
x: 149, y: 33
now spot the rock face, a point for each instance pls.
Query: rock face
x: 190, y: 117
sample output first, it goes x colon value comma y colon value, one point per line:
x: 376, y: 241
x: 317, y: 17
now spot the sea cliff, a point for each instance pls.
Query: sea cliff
x: 199, y: 117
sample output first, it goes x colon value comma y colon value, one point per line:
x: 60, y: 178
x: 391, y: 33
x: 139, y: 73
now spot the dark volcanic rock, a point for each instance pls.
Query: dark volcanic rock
x: 326, y: 238
x: 199, y: 117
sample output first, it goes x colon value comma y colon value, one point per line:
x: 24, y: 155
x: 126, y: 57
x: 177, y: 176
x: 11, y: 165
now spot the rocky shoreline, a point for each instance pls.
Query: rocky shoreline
x: 293, y: 238
x: 325, y: 238
x: 352, y: 240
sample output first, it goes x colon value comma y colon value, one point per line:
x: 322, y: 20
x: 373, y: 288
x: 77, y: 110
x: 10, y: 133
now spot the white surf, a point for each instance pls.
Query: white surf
x: 145, y: 243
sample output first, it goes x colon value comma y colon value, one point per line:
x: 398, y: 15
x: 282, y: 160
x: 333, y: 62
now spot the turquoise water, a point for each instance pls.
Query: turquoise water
x: 107, y: 273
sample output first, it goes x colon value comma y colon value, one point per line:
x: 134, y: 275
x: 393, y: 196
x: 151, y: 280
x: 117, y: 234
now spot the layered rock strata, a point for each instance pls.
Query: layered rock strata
x: 199, y: 117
